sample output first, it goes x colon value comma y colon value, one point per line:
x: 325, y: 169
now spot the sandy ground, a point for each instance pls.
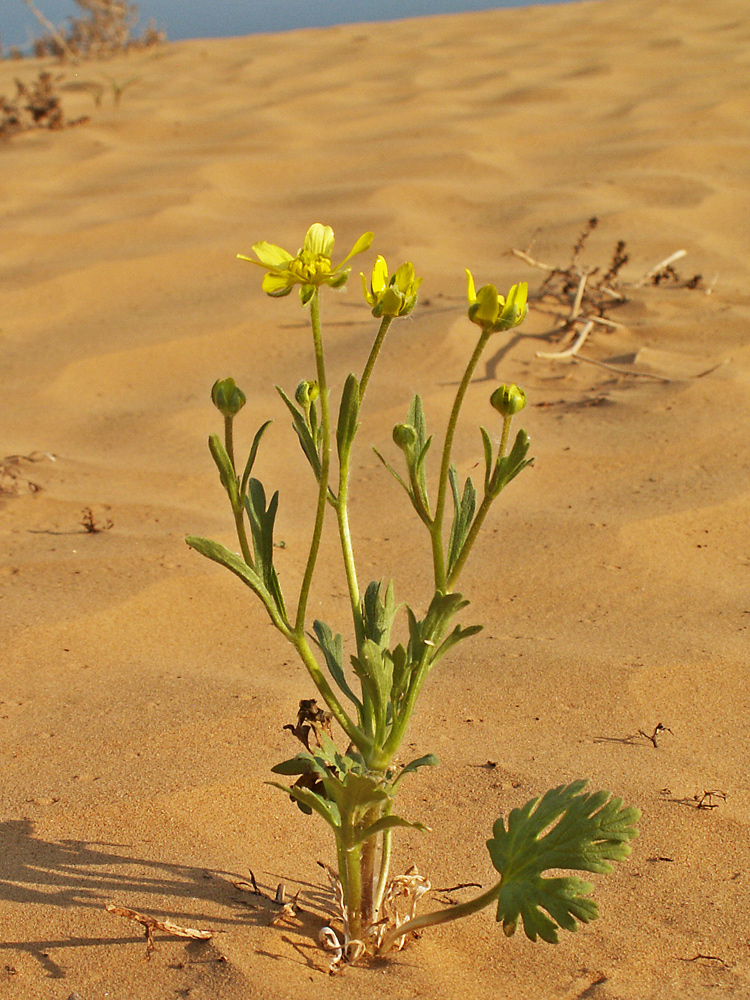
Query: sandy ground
x: 143, y: 691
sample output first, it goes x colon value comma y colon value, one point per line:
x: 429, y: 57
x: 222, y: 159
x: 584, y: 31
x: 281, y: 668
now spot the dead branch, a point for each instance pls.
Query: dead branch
x: 151, y: 924
x: 677, y: 255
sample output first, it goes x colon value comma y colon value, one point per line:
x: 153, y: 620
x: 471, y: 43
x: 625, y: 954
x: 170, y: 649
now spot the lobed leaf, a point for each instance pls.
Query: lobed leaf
x: 565, y: 828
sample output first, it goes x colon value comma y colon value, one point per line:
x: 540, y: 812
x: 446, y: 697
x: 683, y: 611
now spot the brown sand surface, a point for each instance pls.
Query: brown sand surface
x: 143, y: 691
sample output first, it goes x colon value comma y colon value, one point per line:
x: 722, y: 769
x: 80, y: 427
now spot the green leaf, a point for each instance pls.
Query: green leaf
x: 508, y: 468
x: 566, y: 828
x: 221, y: 554
x: 429, y: 760
x: 261, y: 526
x: 392, y: 471
x: 313, y: 801
x: 348, y: 412
x: 355, y: 793
x: 457, y: 635
x: 251, y: 457
x: 378, y: 613
x: 332, y: 648
x: 487, y: 443
x: 464, y: 509
x: 226, y: 472
x: 387, y: 823
x: 302, y: 763
x: 304, y: 433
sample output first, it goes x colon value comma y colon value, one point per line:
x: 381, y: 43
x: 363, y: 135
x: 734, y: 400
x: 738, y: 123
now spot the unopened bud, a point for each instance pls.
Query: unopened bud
x: 404, y: 436
x: 306, y: 394
x: 227, y: 398
x: 508, y: 399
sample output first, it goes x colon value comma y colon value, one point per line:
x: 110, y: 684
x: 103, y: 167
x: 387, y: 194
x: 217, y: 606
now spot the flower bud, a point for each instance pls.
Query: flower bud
x: 391, y: 296
x: 493, y: 312
x: 226, y: 397
x: 508, y: 399
x: 405, y: 436
x: 306, y: 394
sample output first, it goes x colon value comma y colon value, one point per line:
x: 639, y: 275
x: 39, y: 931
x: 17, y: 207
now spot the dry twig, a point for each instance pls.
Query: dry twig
x: 151, y: 924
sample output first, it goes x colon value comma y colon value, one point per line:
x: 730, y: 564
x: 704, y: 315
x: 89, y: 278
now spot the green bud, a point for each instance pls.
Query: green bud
x: 306, y: 394
x: 405, y: 436
x: 508, y: 399
x: 226, y: 397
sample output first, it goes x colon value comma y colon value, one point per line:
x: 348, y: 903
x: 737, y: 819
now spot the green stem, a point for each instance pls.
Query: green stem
x: 438, y: 553
x: 476, y: 526
x: 384, y: 324
x: 353, y: 897
x: 482, y: 512
x: 325, y: 464
x: 347, y: 551
x: 441, y: 916
x: 385, y: 864
x: 239, y: 515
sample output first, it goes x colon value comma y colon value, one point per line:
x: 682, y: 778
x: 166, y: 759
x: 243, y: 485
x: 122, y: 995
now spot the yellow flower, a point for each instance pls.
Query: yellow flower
x: 311, y: 267
x: 396, y: 296
x: 491, y: 311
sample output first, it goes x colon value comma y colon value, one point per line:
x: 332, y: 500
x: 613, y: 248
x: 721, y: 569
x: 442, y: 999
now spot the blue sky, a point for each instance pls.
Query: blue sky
x: 218, y: 18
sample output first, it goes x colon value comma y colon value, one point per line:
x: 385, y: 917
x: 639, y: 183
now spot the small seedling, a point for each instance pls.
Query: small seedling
x: 349, y: 770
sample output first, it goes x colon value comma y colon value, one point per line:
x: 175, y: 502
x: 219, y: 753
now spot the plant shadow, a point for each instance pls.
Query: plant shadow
x: 86, y: 875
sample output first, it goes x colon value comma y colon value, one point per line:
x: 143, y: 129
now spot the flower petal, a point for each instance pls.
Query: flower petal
x: 270, y: 255
x: 362, y: 244
x: 277, y: 284
x: 318, y: 241
x: 471, y: 293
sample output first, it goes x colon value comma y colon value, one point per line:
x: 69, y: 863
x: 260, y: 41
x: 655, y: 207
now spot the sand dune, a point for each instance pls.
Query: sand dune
x: 144, y: 693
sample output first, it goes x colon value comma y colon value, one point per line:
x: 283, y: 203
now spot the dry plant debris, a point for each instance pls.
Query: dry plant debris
x: 92, y: 524
x: 105, y: 30
x: 706, y: 799
x: 588, y: 293
x: 13, y: 476
x: 35, y: 105
x: 151, y: 924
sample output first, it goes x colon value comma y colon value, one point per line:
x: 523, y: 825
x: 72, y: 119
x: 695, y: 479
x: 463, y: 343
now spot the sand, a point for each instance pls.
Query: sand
x: 144, y: 692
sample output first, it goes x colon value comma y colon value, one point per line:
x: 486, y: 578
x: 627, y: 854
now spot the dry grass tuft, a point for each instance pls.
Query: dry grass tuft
x: 35, y: 105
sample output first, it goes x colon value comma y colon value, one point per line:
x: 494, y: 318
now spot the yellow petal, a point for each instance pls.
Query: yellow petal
x: 318, y: 241
x: 362, y: 244
x: 379, y: 275
x: 471, y: 293
x: 270, y: 255
x: 276, y: 284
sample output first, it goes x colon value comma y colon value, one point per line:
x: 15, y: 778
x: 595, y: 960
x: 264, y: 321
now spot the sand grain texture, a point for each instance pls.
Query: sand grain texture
x: 143, y: 691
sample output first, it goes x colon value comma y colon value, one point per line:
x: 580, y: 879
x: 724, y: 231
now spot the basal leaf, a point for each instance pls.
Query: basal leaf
x: 388, y: 823
x: 566, y: 828
x: 313, y: 801
x: 429, y: 760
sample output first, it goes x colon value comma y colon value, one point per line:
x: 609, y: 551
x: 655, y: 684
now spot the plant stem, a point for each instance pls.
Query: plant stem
x: 438, y: 554
x: 325, y: 464
x: 384, y: 324
x: 441, y: 916
x: 482, y: 512
x: 239, y: 515
x: 385, y: 864
x: 298, y: 635
x: 342, y: 515
x: 307, y: 656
